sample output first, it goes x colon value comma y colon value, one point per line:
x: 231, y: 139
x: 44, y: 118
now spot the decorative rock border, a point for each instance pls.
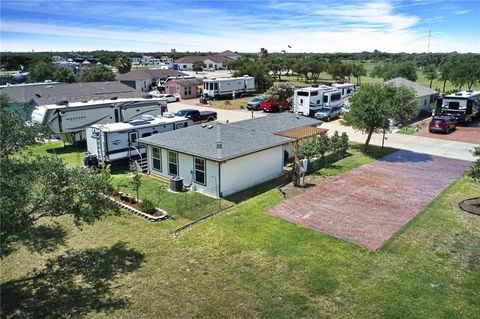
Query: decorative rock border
x: 137, y: 212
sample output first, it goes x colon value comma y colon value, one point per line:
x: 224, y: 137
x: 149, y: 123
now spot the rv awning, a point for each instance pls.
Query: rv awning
x: 303, y: 132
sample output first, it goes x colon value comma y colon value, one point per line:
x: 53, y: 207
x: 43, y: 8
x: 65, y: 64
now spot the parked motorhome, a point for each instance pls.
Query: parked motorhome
x: 462, y: 106
x: 115, y: 141
x: 228, y: 87
x: 71, y: 119
x: 308, y: 101
x: 347, y: 89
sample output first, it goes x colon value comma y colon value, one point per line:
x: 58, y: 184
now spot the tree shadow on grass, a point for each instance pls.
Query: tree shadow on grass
x: 71, y: 285
x: 40, y: 239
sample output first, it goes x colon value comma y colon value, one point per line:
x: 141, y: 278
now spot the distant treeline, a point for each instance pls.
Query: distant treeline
x: 14, y: 60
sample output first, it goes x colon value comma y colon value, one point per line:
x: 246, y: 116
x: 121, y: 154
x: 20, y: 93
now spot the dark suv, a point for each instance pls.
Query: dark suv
x: 442, y: 123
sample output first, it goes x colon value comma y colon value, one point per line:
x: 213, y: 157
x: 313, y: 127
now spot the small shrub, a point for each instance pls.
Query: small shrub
x: 227, y: 102
x: 147, y: 207
x: 242, y: 106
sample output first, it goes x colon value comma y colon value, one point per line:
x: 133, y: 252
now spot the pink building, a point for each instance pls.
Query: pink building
x: 185, y: 88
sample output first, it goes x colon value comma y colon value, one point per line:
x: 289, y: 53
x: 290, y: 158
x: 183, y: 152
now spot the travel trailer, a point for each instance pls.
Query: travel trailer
x: 347, y: 90
x: 308, y: 101
x: 71, y: 119
x: 462, y: 106
x: 228, y: 87
x: 115, y: 141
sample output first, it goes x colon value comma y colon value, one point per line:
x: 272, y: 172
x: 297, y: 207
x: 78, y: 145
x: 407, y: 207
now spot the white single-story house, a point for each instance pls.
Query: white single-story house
x: 425, y: 95
x: 222, y: 159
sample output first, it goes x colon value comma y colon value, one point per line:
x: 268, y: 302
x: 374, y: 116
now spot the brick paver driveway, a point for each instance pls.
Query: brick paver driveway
x: 469, y: 133
x: 371, y: 203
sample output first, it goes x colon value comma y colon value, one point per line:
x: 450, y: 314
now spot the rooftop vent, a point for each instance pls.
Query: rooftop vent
x: 64, y: 102
x: 147, y: 96
x: 168, y: 114
x: 204, y: 125
x: 210, y: 127
x: 148, y: 117
x: 114, y: 98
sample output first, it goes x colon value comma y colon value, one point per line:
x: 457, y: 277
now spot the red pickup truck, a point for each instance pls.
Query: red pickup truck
x: 275, y: 106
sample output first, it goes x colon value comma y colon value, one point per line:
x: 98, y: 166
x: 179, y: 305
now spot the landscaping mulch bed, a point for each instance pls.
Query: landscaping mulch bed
x: 129, y: 203
x: 471, y: 205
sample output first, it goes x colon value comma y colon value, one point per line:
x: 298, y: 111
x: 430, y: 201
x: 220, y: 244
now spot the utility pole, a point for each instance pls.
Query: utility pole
x: 429, y: 35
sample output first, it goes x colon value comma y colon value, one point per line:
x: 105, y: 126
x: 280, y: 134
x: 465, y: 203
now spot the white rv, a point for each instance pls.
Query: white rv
x: 71, y: 119
x: 347, y: 90
x: 308, y: 101
x: 114, y: 141
x: 462, y: 106
x: 228, y: 87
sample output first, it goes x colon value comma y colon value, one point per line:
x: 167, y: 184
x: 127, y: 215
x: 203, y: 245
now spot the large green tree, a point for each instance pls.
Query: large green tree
x: 41, y: 71
x: 33, y: 187
x: 97, y: 74
x: 388, y: 71
x: 374, y: 105
x: 65, y: 75
x: 430, y: 72
x: 358, y: 70
x: 123, y: 64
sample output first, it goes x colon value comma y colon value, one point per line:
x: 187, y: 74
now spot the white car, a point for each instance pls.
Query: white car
x: 168, y: 97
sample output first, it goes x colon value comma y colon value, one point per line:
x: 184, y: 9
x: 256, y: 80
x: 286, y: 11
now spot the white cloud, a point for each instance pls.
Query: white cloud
x: 307, y: 26
x: 461, y: 12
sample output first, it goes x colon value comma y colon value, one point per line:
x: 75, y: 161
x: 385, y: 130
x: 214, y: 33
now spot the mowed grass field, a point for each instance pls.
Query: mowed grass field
x: 369, y: 66
x: 247, y: 264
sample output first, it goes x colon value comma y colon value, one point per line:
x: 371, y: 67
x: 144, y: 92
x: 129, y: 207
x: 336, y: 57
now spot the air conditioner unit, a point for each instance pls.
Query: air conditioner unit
x: 168, y: 114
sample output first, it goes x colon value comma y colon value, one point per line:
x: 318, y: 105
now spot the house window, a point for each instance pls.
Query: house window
x: 173, y: 163
x: 187, y: 90
x: 157, y: 159
x: 200, y: 171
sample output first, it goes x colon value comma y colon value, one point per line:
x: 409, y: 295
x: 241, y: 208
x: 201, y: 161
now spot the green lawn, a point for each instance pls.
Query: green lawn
x: 69, y: 154
x: 369, y: 66
x: 244, y: 264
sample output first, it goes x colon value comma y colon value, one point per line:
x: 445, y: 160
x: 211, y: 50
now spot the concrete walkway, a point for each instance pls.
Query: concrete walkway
x: 371, y: 203
x: 414, y: 143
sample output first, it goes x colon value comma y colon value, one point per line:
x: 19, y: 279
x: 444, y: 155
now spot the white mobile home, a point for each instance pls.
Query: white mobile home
x: 228, y: 87
x: 74, y: 118
x: 114, y: 141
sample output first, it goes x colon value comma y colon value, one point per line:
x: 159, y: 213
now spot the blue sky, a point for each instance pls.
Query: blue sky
x: 244, y: 26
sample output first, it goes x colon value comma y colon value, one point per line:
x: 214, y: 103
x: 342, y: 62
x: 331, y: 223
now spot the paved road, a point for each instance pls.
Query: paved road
x: 419, y: 144
x: 223, y: 115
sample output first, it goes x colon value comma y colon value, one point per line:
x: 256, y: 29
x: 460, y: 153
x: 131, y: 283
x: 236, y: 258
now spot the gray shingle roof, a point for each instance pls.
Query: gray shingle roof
x: 194, y: 81
x: 419, y: 89
x: 276, y: 123
x: 148, y: 74
x: 49, y: 93
x: 202, y: 141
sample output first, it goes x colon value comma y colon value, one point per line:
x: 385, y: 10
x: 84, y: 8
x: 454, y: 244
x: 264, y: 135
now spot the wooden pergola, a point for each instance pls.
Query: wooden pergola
x: 298, y: 134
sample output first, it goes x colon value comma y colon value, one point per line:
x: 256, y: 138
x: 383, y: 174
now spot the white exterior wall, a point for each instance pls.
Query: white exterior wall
x: 250, y: 170
x: 185, y: 170
x: 424, y: 103
x: 214, y: 65
x: 143, y: 85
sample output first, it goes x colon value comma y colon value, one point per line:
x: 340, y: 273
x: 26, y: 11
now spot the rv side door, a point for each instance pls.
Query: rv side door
x: 132, y: 137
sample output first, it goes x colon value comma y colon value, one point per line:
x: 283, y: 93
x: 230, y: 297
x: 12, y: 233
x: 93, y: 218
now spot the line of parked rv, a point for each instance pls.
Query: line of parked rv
x: 325, y: 102
x: 111, y: 128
